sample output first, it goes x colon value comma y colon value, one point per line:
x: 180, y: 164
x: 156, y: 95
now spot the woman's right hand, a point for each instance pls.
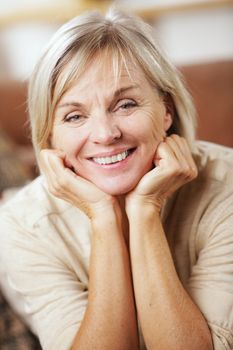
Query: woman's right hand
x: 67, y: 185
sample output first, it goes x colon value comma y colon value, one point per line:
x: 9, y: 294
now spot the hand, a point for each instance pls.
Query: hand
x: 174, y: 166
x: 65, y: 184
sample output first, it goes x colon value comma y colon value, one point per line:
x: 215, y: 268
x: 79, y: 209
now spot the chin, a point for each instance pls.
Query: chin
x: 115, y: 189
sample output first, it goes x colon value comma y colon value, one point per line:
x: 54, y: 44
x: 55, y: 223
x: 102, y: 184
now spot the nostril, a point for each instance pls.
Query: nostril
x: 106, y: 134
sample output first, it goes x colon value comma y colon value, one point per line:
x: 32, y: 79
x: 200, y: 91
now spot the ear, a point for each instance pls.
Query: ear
x: 167, y: 121
x: 170, y: 112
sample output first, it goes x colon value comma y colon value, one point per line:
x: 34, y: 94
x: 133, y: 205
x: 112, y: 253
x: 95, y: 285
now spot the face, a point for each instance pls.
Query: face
x: 110, y: 128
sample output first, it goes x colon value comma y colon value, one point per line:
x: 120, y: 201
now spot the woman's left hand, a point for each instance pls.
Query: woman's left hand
x: 174, y: 166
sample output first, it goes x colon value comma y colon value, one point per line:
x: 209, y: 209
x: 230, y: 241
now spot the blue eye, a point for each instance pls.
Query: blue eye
x: 125, y: 104
x: 128, y: 105
x: 72, y: 118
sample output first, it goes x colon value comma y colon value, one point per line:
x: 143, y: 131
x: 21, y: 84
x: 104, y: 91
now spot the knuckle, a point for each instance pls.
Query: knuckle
x: 175, y: 169
x: 56, y: 191
x: 194, y: 172
x: 63, y: 183
x: 186, y: 170
x: 191, y: 173
x: 56, y: 187
x: 175, y: 136
x: 182, y: 139
x: 52, y: 190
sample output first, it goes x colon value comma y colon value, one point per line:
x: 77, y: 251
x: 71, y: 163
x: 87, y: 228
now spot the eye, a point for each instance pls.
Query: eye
x: 125, y: 104
x: 73, y: 118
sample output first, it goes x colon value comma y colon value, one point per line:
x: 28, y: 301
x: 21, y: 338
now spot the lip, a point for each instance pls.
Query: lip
x: 110, y: 153
x: 118, y: 165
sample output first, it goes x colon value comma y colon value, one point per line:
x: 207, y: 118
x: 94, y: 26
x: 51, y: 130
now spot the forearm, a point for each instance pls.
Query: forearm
x: 168, y: 317
x: 110, y: 319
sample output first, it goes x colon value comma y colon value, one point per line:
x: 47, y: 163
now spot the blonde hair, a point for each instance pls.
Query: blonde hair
x: 127, y: 39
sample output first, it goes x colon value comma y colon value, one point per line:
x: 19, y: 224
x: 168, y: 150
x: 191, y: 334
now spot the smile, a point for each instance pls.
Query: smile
x: 113, y: 159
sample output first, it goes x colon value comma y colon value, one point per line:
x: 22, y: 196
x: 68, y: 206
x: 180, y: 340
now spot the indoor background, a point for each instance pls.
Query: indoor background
x: 196, y: 35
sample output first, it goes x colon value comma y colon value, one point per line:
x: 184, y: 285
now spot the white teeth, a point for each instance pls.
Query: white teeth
x: 119, y: 157
x: 110, y: 160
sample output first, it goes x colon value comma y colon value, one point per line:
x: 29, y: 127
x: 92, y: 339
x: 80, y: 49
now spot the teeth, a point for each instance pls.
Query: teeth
x: 110, y: 160
x: 119, y: 157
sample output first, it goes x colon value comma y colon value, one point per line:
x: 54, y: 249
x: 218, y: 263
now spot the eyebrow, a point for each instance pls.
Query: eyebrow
x: 121, y: 91
x: 71, y: 103
x: 116, y: 94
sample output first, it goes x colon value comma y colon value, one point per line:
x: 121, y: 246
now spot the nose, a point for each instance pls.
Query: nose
x: 105, y: 131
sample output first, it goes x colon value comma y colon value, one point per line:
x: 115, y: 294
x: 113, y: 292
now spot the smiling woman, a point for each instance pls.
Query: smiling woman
x: 124, y: 118
x: 125, y: 239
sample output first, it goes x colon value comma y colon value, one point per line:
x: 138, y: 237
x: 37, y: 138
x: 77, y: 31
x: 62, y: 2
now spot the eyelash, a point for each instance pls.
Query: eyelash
x: 124, y: 106
x: 127, y: 105
x: 72, y: 118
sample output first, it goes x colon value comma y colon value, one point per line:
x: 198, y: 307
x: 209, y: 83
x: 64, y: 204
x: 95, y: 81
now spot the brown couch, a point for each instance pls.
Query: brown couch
x: 211, y: 85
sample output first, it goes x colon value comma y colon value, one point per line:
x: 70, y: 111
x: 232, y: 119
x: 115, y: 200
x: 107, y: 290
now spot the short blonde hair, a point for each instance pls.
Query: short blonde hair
x: 127, y: 39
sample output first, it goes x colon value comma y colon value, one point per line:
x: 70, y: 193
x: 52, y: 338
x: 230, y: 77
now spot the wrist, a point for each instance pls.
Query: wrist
x: 142, y: 219
x: 106, y: 225
x: 143, y: 206
x: 106, y: 212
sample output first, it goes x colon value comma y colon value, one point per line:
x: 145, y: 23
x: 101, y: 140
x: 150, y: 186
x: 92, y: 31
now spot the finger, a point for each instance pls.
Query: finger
x: 64, y: 178
x: 53, y: 168
x: 164, y: 154
x: 183, y: 146
x: 45, y: 166
x: 184, y: 155
x: 184, y: 169
x: 176, y: 145
x: 186, y: 152
x: 173, y: 160
x: 56, y: 162
x: 180, y: 149
x: 46, y: 159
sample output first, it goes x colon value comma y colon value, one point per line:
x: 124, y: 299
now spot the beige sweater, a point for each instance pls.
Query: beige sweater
x: 45, y: 248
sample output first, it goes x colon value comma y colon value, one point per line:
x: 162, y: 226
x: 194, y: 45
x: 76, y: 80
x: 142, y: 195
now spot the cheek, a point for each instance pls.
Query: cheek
x: 148, y: 129
x: 156, y: 126
x: 158, y: 133
x: 69, y: 140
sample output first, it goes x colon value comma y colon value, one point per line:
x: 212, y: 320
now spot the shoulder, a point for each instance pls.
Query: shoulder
x: 31, y: 204
x: 35, y: 215
x: 207, y: 201
x: 35, y: 225
x: 215, y: 162
x: 211, y: 194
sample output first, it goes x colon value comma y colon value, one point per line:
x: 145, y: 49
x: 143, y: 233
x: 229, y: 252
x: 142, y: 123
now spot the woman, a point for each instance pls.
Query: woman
x: 124, y: 241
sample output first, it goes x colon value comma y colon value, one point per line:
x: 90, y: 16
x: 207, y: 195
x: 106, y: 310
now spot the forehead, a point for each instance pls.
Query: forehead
x: 104, y: 70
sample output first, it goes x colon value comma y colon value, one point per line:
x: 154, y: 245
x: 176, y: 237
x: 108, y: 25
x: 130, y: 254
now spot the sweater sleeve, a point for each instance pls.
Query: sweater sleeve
x: 53, y: 294
x: 211, y: 281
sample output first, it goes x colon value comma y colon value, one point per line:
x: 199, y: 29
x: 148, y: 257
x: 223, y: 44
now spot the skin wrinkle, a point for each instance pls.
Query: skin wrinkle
x: 97, y: 104
x: 131, y: 230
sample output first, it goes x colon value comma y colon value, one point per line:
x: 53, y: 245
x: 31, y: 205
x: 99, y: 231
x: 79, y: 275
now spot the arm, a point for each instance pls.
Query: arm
x: 211, y: 280
x: 168, y: 316
x: 110, y: 318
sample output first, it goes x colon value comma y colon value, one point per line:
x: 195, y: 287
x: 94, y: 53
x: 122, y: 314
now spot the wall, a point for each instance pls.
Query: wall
x: 197, y: 36
x: 187, y: 37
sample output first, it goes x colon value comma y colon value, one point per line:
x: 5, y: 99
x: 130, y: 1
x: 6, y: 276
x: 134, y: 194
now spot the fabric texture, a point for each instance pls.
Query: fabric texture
x: 14, y: 335
x: 46, y: 247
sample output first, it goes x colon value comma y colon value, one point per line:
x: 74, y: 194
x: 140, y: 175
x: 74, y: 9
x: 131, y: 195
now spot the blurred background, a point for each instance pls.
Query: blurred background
x: 196, y: 35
